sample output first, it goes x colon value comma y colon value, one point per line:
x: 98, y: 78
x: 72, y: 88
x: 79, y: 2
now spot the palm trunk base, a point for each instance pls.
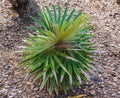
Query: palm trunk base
x: 25, y: 8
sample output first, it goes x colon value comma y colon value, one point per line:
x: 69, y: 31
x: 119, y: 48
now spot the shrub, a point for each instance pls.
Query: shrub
x: 59, y: 55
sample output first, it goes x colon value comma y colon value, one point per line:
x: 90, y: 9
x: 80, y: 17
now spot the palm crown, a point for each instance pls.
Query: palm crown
x: 60, y: 52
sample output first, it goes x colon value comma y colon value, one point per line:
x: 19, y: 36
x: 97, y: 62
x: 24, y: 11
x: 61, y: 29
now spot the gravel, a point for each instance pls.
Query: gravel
x: 105, y: 17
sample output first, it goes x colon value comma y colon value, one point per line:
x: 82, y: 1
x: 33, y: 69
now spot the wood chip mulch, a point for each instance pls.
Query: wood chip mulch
x: 105, y: 17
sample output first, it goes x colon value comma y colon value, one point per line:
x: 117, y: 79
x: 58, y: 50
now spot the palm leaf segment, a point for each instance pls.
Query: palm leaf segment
x: 59, y: 53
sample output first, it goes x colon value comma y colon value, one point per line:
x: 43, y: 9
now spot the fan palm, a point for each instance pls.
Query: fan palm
x: 60, y: 53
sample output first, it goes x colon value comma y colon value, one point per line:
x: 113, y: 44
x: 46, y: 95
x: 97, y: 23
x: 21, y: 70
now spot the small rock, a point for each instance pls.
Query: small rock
x: 96, y: 79
x: 6, y: 67
x: 35, y: 89
x: 20, y: 91
x: 115, y: 79
x: 113, y: 94
x: 92, y: 92
x: 37, y: 96
x: 105, y: 92
x: 118, y: 92
x: 109, y: 82
x: 20, y: 85
x: 11, y: 97
x: 1, y: 83
x: 7, y: 87
x: 1, y: 92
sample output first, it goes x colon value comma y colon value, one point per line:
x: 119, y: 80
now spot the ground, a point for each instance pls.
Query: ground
x: 105, y: 17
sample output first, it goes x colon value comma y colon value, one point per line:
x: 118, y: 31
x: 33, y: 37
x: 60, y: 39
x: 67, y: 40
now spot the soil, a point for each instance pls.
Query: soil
x: 105, y: 17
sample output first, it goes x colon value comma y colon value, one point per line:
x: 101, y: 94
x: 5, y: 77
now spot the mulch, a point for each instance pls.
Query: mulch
x: 105, y: 17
